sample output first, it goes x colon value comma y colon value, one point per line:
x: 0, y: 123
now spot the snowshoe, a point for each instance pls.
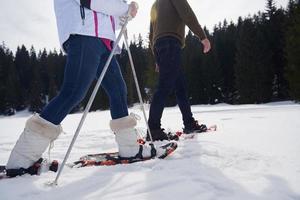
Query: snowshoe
x: 195, y: 127
x: 35, y: 169
x: 108, y: 159
x: 191, y: 134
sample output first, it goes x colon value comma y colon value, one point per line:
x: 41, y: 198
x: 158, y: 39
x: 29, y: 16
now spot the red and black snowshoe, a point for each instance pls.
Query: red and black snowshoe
x: 114, y: 159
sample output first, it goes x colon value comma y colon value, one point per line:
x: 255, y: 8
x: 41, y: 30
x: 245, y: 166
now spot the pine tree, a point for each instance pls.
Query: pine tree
x: 293, y: 50
x: 13, y: 91
x: 274, y: 21
x: 203, y: 72
x: 192, y: 64
x: 52, y: 75
x: 131, y: 97
x: 139, y: 56
x: 60, y: 69
x: 270, y: 8
x: 42, y: 59
x: 224, y: 44
x: 253, y: 72
x: 2, y: 79
x: 213, y: 71
x: 22, y: 63
x: 36, y: 84
x: 151, y: 75
x: 10, y: 87
x: 127, y: 75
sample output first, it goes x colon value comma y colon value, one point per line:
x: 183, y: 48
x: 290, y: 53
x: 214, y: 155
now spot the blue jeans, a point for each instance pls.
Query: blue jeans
x: 171, y: 78
x: 85, y: 61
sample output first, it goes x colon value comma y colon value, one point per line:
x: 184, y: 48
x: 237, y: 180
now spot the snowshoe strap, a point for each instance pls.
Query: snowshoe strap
x: 139, y: 155
x: 33, y: 170
x: 203, y: 128
x: 116, y: 160
x: 54, y: 166
x: 2, y: 168
x: 172, y: 136
x: 153, y: 150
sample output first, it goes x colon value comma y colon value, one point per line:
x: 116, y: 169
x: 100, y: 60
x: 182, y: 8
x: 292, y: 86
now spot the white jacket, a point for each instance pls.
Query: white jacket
x: 101, y: 20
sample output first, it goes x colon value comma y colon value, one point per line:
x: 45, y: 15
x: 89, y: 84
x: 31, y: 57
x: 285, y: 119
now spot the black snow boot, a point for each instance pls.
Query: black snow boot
x: 194, y: 127
x: 35, y: 169
x: 160, y: 135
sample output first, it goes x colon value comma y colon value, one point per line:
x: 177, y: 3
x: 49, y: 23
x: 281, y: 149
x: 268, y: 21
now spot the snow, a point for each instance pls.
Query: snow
x: 252, y: 155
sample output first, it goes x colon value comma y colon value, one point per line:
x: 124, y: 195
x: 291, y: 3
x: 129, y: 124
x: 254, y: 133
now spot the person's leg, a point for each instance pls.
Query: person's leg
x: 121, y: 124
x: 83, y: 59
x: 182, y: 99
x: 32, y: 143
x: 190, y: 124
x: 84, y: 54
x: 168, y: 58
x: 115, y: 87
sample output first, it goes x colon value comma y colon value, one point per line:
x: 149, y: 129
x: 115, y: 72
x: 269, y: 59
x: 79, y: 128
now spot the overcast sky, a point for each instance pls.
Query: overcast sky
x: 32, y: 22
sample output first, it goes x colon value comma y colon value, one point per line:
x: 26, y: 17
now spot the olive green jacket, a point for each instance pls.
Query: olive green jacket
x: 169, y: 17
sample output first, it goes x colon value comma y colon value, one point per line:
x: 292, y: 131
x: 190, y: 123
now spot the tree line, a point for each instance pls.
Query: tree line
x: 256, y: 60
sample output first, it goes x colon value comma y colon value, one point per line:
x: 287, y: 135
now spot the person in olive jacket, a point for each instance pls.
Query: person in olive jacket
x: 167, y: 34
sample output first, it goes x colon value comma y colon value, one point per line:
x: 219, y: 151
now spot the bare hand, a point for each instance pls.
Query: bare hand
x: 132, y: 11
x: 206, y: 45
x: 133, y: 8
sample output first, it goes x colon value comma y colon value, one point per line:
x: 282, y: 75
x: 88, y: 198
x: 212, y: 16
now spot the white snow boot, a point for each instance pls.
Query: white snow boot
x: 33, y: 142
x: 127, y: 138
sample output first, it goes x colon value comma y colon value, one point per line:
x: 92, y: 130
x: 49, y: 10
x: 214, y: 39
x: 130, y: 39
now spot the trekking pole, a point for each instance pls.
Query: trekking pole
x: 90, y: 102
x: 136, y: 83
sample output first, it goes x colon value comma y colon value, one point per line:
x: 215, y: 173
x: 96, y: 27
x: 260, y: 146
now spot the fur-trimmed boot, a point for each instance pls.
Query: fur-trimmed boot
x: 34, y: 140
x: 127, y: 138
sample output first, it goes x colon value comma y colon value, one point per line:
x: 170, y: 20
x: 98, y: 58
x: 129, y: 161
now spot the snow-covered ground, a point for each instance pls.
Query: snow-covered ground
x: 253, y: 155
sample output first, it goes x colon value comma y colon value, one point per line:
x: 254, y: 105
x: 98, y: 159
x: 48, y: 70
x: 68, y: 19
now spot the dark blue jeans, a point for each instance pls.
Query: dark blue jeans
x: 85, y: 61
x: 171, y: 78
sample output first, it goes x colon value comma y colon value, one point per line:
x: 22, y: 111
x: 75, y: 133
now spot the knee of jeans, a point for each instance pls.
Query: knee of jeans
x: 74, y: 94
x: 115, y: 87
x: 118, y: 93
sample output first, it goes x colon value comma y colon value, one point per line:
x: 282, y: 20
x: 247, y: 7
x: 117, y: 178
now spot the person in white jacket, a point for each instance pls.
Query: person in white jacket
x: 86, y: 31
